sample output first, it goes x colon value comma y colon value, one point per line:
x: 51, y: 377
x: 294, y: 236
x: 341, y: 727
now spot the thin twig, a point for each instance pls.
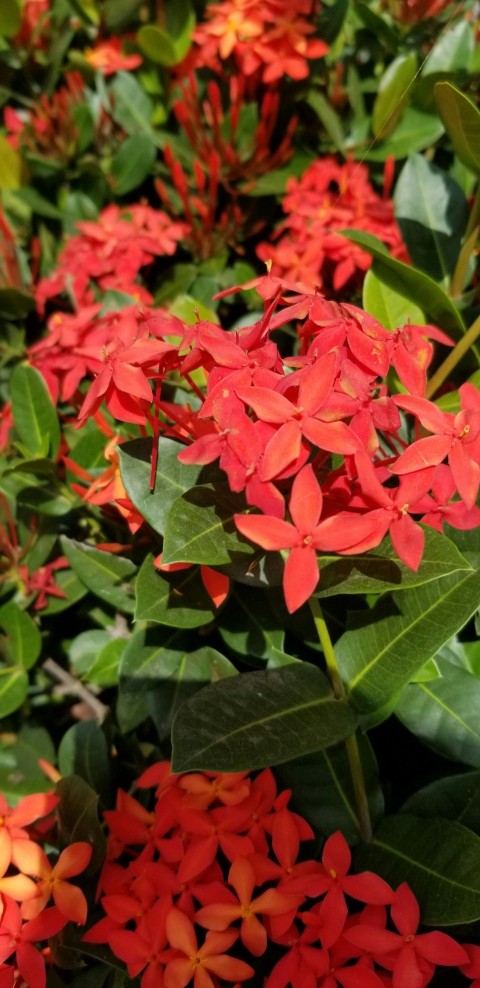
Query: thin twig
x: 76, y: 688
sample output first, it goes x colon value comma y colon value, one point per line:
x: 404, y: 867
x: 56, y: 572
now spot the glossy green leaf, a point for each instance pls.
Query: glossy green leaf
x: 200, y: 527
x: 416, y: 131
x: 132, y: 106
x: 10, y: 17
x: 13, y: 689
x: 445, y: 713
x: 412, y: 283
x: 381, y: 569
x: 259, y: 719
x: 34, y: 415
x: 432, y: 212
x: 132, y: 163
x: 461, y: 119
x: 151, y: 655
x: 157, y: 45
x: 379, y: 658
x: 175, y: 599
x: 251, y: 626
x: 105, y: 670
x: 172, y: 478
x: 452, y: 50
x: 168, y: 46
x: 440, y: 860
x: 77, y: 815
x: 22, y: 643
x: 193, y: 671
x: 393, y: 94
x: 131, y: 710
x: 107, y: 576
x: 20, y: 773
x: 83, y: 751
x: 391, y: 309
x: 455, y: 797
x: 322, y: 788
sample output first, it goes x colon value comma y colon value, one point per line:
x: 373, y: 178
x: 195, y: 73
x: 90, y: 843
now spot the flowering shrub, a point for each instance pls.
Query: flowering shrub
x: 239, y: 495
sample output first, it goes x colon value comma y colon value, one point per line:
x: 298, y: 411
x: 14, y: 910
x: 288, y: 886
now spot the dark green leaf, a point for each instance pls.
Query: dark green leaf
x: 456, y: 797
x: 20, y: 773
x: 200, y: 527
x: 106, y: 575
x: 323, y: 791
x: 249, y: 624
x: 13, y: 689
x: 150, y: 656
x: 77, y: 815
x: 381, y: 569
x: 132, y: 107
x: 444, y: 713
x: 132, y: 163
x: 431, y: 211
x: 23, y: 643
x: 177, y: 599
x: 193, y: 671
x: 412, y: 283
x: 259, y: 719
x: 439, y: 859
x: 34, y: 415
x: 461, y: 119
x: 172, y: 478
x: 379, y: 659
x: 83, y: 751
x: 15, y: 304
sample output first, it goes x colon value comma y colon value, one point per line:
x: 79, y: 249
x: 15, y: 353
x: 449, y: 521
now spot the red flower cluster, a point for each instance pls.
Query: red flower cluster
x: 330, y: 197
x: 34, y: 884
x: 108, y: 57
x: 216, y: 862
x: 265, y: 38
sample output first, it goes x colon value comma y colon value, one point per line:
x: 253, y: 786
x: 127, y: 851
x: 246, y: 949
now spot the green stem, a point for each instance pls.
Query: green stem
x: 351, y: 743
x: 453, y: 358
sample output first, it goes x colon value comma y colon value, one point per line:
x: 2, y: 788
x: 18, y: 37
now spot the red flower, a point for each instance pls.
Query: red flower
x: 199, y: 962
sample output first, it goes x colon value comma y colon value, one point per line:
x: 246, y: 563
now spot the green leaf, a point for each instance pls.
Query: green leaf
x: 107, y: 576
x: 323, y: 791
x: 175, y: 599
x: 157, y: 45
x: 132, y: 163
x: 72, y: 587
x: 193, y: 671
x: 15, y: 304
x: 439, y: 859
x: 23, y: 643
x: 200, y: 527
x: 274, y: 183
x: 415, y: 132
x: 34, y: 415
x: 151, y: 655
x: 13, y: 689
x: 83, y: 751
x: 431, y: 211
x: 381, y: 569
x: 249, y: 624
x: 393, y: 94
x: 172, y: 478
x: 10, y: 18
x: 169, y: 47
x: 77, y: 815
x: 105, y: 670
x: 455, y: 797
x: 132, y: 107
x: 411, y: 283
x: 461, y: 119
x: 328, y: 117
x: 444, y: 713
x: 20, y: 773
x: 379, y: 659
x: 259, y: 719
x: 131, y: 709
x: 452, y: 50
x: 386, y: 305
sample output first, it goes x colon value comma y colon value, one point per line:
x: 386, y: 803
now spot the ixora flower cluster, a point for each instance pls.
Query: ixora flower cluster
x: 317, y: 434
x: 204, y: 878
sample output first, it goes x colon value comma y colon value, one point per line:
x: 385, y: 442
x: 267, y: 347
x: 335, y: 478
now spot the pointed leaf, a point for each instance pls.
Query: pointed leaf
x: 411, y: 283
x: 456, y: 797
x: 172, y: 478
x: 106, y: 575
x: 151, y: 656
x: 250, y: 626
x: 193, y: 671
x: 444, y: 713
x: 440, y: 860
x: 461, y: 119
x: 13, y: 689
x: 259, y: 719
x: 34, y: 415
x: 83, y: 751
x: 378, y: 659
x: 132, y: 163
x: 200, y: 527
x: 23, y: 643
x: 393, y: 94
x: 391, y: 309
x: 77, y: 815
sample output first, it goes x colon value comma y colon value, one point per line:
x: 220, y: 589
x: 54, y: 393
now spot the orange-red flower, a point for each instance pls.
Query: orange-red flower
x: 198, y: 963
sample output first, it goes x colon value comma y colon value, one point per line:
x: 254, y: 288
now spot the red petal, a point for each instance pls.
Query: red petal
x: 300, y: 576
x: 267, y: 531
x: 423, y: 453
x: 306, y: 500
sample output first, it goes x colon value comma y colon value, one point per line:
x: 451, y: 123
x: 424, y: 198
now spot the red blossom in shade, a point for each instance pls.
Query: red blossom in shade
x: 335, y: 880
x: 51, y: 879
x: 305, y: 536
x: 403, y: 952
x: 19, y: 938
x: 199, y: 963
x: 145, y: 948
